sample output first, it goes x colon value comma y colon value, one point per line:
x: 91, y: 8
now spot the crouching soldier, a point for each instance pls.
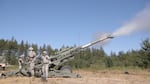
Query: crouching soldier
x: 20, y: 62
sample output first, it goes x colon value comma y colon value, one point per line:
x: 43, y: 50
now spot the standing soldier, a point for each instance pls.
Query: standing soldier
x: 31, y: 59
x: 45, y: 61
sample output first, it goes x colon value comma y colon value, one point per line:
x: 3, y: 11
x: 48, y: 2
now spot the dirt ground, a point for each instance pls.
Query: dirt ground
x: 89, y: 77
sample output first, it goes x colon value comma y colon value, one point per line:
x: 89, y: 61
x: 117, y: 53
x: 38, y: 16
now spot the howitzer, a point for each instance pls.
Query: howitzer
x: 58, y: 69
x: 66, y: 54
x: 56, y: 66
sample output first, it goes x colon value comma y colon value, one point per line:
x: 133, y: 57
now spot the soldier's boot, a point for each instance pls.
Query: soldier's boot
x: 44, y: 79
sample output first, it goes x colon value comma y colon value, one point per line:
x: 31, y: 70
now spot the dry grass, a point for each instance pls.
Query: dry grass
x: 89, y: 77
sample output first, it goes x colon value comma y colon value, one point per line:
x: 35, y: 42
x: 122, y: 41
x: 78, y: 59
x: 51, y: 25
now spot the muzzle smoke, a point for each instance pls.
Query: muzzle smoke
x: 98, y: 36
x: 141, y: 22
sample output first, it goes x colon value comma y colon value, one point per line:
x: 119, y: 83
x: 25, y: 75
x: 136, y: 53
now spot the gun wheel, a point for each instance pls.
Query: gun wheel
x: 66, y: 68
x: 18, y: 74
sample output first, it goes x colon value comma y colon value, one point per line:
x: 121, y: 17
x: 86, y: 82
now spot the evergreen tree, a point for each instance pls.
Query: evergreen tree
x: 12, y: 50
x: 144, y: 58
x: 2, y: 46
x: 49, y: 50
x: 35, y: 47
x: 21, y: 48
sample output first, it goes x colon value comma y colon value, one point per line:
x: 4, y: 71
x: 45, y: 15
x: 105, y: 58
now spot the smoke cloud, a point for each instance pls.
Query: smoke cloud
x: 141, y: 22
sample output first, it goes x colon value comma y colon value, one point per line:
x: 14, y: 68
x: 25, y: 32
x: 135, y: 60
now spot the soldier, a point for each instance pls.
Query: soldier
x: 31, y: 58
x: 20, y: 62
x: 45, y: 61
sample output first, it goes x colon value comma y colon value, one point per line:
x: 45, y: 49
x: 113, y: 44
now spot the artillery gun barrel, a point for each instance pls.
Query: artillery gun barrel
x: 68, y: 54
x: 97, y: 41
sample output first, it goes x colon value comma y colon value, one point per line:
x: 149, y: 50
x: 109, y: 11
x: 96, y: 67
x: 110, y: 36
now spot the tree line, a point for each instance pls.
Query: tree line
x: 88, y: 58
x: 97, y: 58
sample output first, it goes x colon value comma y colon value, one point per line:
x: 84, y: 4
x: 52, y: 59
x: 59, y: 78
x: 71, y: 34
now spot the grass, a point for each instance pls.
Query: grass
x: 11, y: 67
x: 100, y: 75
x: 115, y: 69
x: 96, y: 68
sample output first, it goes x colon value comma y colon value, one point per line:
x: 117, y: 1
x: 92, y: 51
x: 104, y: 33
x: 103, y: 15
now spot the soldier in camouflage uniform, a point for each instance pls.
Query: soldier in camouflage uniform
x: 31, y: 59
x: 45, y: 65
x: 20, y: 62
